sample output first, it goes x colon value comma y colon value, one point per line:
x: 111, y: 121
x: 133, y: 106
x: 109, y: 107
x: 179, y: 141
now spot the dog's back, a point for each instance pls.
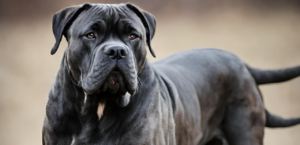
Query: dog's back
x: 219, y: 84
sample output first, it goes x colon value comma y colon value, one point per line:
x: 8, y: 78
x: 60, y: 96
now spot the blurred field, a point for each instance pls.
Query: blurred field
x: 264, y: 39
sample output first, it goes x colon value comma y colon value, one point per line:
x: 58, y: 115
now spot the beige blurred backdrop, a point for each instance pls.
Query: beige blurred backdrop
x: 263, y: 33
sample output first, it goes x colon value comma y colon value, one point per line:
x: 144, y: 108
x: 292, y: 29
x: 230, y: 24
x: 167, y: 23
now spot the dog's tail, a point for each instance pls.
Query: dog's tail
x: 276, y: 76
x: 276, y: 121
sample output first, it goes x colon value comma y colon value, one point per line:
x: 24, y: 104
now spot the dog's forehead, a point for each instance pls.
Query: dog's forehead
x: 110, y: 13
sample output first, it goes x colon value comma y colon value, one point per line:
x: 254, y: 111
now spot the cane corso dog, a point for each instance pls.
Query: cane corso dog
x: 106, y: 92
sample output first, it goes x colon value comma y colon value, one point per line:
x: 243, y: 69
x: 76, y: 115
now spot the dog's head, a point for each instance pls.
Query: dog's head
x: 106, y: 45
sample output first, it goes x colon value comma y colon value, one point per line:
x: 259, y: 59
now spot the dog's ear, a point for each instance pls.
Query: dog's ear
x: 148, y: 21
x: 151, y: 22
x: 62, y: 20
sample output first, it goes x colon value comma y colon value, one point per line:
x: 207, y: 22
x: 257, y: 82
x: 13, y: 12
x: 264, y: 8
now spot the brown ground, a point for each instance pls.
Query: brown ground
x: 270, y: 40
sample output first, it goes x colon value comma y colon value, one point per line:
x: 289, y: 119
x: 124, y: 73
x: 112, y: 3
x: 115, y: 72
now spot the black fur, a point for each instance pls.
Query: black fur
x: 200, y: 96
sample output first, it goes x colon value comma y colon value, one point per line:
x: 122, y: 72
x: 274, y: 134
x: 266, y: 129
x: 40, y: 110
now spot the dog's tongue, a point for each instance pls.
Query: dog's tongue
x: 113, y: 81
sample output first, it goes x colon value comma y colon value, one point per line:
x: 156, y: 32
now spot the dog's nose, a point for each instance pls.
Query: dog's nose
x: 116, y: 52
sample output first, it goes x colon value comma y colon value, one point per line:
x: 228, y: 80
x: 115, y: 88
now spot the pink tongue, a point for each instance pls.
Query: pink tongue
x: 113, y: 81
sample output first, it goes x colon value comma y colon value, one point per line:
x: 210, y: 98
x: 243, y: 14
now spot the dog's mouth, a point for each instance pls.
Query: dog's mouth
x: 115, y: 84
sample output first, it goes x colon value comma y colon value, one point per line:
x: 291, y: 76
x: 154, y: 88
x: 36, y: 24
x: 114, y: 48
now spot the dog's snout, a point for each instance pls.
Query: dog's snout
x: 116, y: 52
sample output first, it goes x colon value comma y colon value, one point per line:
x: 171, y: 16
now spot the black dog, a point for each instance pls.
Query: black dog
x: 106, y: 92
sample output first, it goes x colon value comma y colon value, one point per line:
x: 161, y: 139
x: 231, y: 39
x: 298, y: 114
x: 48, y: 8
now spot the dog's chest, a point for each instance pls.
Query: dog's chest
x: 156, y: 126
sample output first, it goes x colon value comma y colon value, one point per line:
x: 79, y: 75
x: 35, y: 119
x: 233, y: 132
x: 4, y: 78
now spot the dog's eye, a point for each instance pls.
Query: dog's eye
x: 90, y: 35
x: 132, y: 36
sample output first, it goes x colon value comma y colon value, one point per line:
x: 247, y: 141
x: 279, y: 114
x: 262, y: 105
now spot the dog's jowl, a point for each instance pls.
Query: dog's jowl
x: 106, y: 92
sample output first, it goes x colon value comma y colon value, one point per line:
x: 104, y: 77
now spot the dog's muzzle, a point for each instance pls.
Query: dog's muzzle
x: 113, y: 70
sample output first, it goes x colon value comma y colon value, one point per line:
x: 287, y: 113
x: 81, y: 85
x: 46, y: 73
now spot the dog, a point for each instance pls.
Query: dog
x: 106, y: 91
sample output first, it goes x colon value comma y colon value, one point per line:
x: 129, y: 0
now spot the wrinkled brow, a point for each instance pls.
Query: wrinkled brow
x: 127, y: 26
x: 98, y: 25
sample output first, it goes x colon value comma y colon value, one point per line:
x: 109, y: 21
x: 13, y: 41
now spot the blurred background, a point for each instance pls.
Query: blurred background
x: 263, y: 33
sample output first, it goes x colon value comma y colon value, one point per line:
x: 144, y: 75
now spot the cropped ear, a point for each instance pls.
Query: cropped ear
x: 149, y: 23
x: 62, y: 20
